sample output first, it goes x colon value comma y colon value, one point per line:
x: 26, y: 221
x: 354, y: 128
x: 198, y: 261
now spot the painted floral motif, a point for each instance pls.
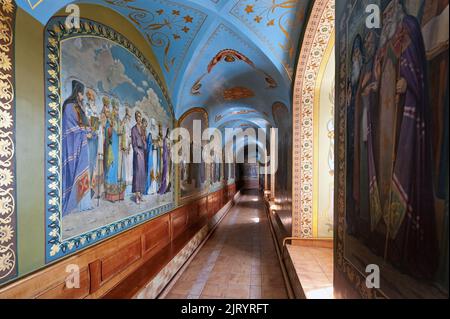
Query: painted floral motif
x: 5, y: 206
x: 6, y: 261
x: 7, y: 6
x: 5, y: 148
x: 6, y: 234
x: 4, y: 35
x: 5, y: 90
x: 6, y: 177
x: 5, y: 119
x: 5, y: 62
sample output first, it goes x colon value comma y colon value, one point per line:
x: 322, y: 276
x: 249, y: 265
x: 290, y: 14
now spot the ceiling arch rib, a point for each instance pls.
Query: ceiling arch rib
x: 241, y: 113
x: 255, y: 123
x: 255, y: 150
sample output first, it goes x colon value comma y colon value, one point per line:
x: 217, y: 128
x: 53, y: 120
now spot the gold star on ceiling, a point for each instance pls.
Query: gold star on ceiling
x: 188, y: 19
x: 271, y: 23
x: 185, y: 29
x: 249, y: 9
x: 159, y: 12
x: 258, y: 19
x: 176, y: 12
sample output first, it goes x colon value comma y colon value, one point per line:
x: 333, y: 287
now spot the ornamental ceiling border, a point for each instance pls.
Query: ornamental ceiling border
x: 318, y: 33
x: 8, y: 218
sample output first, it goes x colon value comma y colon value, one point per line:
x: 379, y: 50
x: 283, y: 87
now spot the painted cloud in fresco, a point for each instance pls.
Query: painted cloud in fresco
x: 109, y: 72
x: 152, y: 108
x: 114, y: 74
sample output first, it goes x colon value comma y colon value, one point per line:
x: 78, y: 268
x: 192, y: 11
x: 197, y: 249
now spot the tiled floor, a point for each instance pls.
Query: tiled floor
x: 314, y: 267
x: 239, y: 260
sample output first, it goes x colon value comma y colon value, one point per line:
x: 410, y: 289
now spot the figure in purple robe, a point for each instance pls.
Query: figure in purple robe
x: 139, y: 149
x: 366, y: 100
x: 75, y: 153
x: 400, y: 166
x: 357, y: 61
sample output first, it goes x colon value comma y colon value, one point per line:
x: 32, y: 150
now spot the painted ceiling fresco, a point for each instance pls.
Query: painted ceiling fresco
x: 215, y: 54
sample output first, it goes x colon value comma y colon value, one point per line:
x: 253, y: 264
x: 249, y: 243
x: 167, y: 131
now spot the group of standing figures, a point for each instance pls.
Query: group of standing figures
x: 194, y: 174
x: 390, y: 200
x: 105, y: 157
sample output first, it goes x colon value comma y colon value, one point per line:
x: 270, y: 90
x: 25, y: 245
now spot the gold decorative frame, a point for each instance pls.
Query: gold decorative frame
x: 8, y: 219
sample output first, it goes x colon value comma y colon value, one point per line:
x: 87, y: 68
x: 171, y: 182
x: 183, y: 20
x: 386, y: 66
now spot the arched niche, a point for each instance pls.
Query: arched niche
x: 317, y: 49
x: 194, y: 178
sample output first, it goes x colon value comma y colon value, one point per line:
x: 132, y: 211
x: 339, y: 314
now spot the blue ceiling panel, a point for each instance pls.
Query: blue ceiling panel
x: 229, y: 71
x: 235, y: 58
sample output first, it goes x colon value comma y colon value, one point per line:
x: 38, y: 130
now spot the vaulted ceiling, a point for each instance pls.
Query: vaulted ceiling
x: 235, y: 58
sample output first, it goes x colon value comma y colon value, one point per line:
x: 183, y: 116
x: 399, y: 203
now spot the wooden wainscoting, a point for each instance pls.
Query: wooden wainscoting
x: 136, y: 255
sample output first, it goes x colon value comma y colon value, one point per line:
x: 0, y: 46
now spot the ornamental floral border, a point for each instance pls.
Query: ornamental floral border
x: 353, y: 276
x: 8, y: 218
x: 318, y: 33
x: 56, y: 247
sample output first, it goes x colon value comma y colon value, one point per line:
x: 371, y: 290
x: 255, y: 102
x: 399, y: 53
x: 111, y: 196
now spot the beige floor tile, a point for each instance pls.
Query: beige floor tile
x: 255, y: 292
x: 238, y: 291
x: 183, y: 287
x: 214, y: 290
x: 239, y: 279
x: 218, y: 278
x: 274, y: 293
x: 255, y: 279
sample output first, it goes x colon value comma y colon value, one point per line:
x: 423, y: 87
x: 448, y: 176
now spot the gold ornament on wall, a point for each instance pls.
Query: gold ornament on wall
x: 8, y: 264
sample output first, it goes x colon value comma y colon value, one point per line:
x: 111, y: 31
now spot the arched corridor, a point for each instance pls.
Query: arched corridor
x: 238, y: 261
x: 224, y: 149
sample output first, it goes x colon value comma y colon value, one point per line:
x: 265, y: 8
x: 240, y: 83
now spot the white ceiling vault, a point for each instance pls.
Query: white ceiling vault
x: 234, y: 58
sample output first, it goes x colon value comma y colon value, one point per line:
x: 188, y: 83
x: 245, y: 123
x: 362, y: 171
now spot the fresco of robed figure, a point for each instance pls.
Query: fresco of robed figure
x: 114, y: 164
x: 194, y: 176
x: 397, y: 147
